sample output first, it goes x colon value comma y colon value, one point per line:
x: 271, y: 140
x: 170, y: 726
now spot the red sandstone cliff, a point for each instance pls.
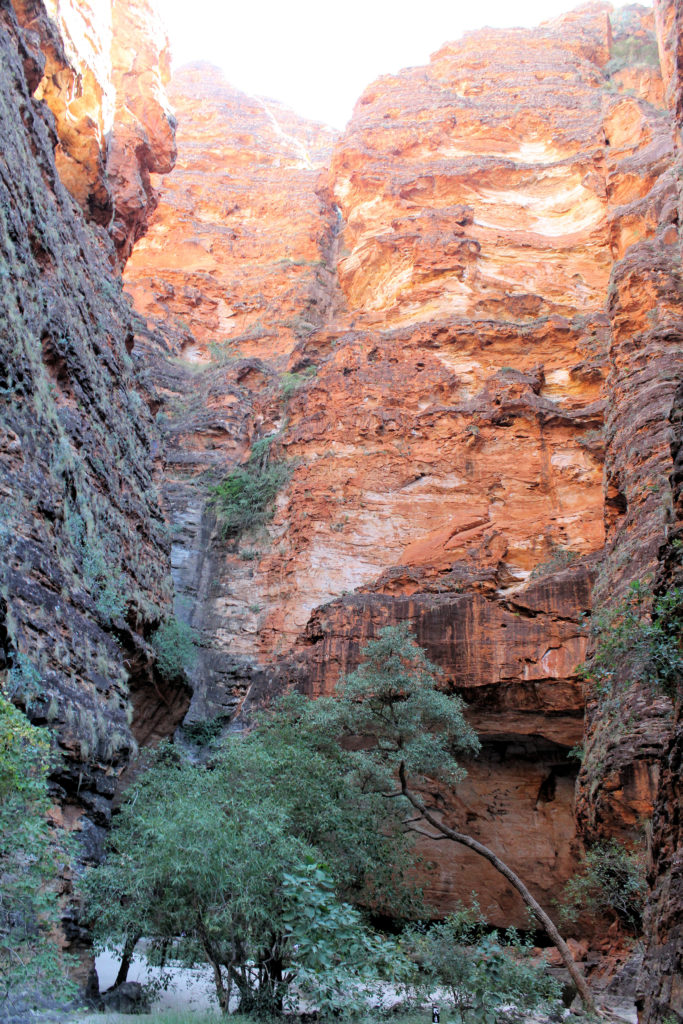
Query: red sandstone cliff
x: 448, y: 278
x: 106, y: 66
x: 461, y: 322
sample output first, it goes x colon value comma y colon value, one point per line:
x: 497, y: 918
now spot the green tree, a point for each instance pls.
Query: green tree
x: 28, y: 907
x: 478, y: 972
x: 244, y: 863
x: 410, y: 730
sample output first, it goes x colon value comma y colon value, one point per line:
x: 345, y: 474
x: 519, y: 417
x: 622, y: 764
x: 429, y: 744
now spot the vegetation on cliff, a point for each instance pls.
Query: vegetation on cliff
x: 245, y: 499
x: 638, y: 642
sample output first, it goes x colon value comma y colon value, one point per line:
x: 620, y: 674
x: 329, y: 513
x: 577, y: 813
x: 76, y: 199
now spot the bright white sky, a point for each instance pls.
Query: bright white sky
x: 316, y: 56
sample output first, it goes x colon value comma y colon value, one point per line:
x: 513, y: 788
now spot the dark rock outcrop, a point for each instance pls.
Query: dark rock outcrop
x: 85, y: 570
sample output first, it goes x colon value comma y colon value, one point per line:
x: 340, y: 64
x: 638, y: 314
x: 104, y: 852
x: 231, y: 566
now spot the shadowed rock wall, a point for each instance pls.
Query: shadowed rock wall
x: 661, y: 982
x: 84, y: 572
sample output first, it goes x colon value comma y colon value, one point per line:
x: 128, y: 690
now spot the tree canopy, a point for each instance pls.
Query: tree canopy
x: 251, y: 860
x: 248, y: 862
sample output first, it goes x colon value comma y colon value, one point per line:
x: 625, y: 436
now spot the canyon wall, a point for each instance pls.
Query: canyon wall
x: 445, y: 320
x: 457, y: 324
x: 660, y: 995
x: 104, y: 76
x: 85, y: 573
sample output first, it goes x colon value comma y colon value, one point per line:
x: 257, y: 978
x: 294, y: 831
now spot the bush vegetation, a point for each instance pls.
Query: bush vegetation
x: 477, y: 972
x: 175, y: 645
x: 246, y: 498
x: 290, y: 383
x: 260, y: 861
x: 611, y: 881
x: 632, y: 52
x: 238, y: 864
x: 638, y: 641
x: 560, y: 558
x: 28, y: 906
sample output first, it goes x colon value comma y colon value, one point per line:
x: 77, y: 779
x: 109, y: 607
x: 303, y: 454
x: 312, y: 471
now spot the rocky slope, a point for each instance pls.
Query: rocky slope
x: 462, y: 285
x: 84, y: 574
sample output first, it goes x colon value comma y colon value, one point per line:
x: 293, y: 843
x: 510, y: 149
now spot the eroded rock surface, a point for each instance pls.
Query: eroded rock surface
x: 660, y: 994
x: 106, y: 67
x: 446, y: 273
x: 460, y: 323
x: 85, y: 572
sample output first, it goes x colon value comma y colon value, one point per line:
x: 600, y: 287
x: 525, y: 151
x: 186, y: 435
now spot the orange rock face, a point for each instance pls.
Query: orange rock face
x: 106, y: 69
x: 442, y: 273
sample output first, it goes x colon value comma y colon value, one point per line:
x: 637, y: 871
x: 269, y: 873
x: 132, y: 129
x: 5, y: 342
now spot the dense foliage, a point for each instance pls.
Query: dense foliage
x: 245, y: 499
x: 246, y: 863
x: 611, y: 881
x: 476, y: 972
x: 259, y: 860
x: 27, y: 865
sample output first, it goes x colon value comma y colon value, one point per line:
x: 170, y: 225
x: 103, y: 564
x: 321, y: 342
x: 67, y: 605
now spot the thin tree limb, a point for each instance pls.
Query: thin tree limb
x: 535, y: 907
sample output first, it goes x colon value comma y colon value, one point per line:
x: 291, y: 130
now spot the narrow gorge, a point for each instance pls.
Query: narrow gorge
x: 454, y: 329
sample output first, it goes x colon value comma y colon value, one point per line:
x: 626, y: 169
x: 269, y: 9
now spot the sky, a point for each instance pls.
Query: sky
x: 316, y: 56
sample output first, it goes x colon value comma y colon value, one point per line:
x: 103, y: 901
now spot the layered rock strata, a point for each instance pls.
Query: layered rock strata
x: 661, y: 981
x: 231, y: 274
x: 459, y: 322
x: 443, y: 285
x: 84, y: 573
x: 106, y: 66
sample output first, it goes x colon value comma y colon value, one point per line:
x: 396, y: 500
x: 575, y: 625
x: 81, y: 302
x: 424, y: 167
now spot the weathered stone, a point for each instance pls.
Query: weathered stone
x: 85, y: 572
x: 448, y: 280
x: 129, y: 997
x: 105, y: 68
x: 461, y: 320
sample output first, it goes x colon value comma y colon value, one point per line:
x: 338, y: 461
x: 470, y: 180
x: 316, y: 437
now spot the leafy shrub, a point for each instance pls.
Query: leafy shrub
x: 175, y: 645
x: 477, y: 971
x: 611, y: 880
x: 204, y: 731
x: 638, y: 641
x: 291, y: 382
x: 246, y: 498
x: 27, y: 907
